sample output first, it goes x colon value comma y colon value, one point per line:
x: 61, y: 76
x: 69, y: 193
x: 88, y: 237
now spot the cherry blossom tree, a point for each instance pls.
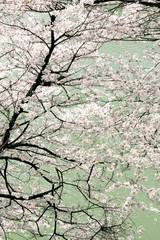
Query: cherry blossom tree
x: 79, y: 129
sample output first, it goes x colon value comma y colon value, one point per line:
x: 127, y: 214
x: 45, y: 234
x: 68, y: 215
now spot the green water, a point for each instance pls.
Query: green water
x: 149, y: 221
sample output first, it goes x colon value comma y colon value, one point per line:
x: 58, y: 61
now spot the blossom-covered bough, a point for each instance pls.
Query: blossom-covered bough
x: 77, y: 136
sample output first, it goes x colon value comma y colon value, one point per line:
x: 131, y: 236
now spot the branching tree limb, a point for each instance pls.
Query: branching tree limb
x: 77, y: 127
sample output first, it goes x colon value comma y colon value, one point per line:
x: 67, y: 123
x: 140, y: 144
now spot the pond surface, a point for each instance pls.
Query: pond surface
x: 149, y: 221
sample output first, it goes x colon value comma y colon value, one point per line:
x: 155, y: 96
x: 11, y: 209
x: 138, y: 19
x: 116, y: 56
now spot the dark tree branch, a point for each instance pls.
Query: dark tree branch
x: 144, y: 3
x: 39, y: 195
x: 20, y: 144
